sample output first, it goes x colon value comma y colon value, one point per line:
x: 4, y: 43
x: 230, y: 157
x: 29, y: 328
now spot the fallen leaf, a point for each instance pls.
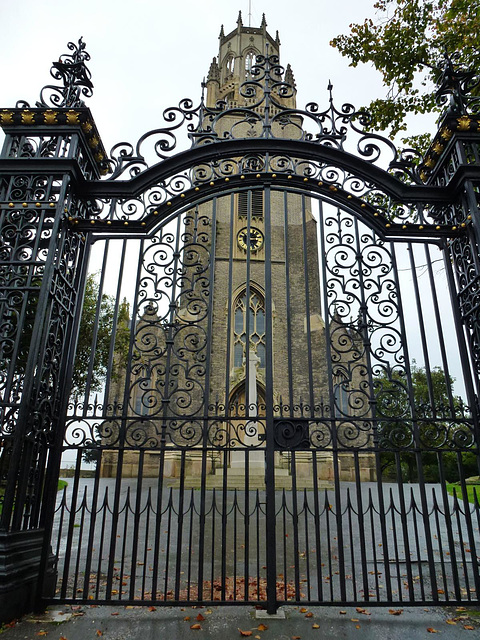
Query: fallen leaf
x: 468, y: 627
x: 258, y: 637
x: 99, y: 633
x: 450, y: 621
x: 431, y: 630
x: 115, y: 613
x: 152, y: 608
x: 395, y: 612
x: 42, y: 633
x: 296, y: 637
x: 303, y: 610
x: 309, y: 615
x: 343, y: 613
x: 196, y: 627
x: 357, y: 626
x: 354, y: 619
x: 262, y: 627
x: 245, y: 633
x: 200, y: 618
x: 186, y: 618
x: 315, y: 626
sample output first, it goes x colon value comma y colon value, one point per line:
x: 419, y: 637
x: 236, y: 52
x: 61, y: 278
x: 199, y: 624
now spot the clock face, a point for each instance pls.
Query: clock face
x: 252, y: 241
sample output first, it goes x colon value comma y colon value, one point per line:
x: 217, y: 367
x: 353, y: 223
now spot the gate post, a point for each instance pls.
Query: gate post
x: 453, y: 161
x: 49, y: 151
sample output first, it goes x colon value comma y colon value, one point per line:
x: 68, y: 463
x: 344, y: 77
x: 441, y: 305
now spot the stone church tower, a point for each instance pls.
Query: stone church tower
x: 226, y: 240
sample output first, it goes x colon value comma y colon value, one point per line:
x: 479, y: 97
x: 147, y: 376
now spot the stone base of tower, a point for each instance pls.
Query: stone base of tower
x: 296, y: 469
x: 366, y: 464
x: 152, y: 461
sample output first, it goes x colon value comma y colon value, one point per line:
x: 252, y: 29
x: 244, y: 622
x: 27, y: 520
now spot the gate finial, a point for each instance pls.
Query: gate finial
x: 458, y: 83
x: 75, y: 75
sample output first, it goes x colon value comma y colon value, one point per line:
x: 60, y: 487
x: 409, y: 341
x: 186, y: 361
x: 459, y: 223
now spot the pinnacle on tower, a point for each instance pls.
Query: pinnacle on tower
x: 239, y: 19
x: 277, y: 39
x: 214, y: 71
x: 289, y: 77
x: 222, y: 32
x: 264, y: 22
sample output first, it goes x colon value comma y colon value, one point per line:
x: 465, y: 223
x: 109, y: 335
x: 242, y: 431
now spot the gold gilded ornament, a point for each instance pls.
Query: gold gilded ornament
x: 93, y: 142
x: 72, y: 117
x: 27, y: 117
x: 6, y: 117
x: 50, y: 116
x: 446, y: 133
x: 464, y: 123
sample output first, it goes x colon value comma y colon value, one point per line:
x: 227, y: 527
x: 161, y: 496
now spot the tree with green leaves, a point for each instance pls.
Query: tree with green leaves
x: 84, y: 369
x: 95, y: 337
x: 94, y: 343
x: 406, y: 42
x: 438, y: 416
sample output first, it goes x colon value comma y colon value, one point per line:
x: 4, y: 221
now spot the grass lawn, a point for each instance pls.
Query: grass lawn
x: 472, y: 489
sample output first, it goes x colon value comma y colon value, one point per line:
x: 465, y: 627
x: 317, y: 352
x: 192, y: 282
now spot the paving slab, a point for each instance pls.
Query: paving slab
x: 226, y: 622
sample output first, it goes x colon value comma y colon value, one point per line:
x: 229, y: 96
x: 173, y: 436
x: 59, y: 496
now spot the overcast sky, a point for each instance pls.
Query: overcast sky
x: 148, y: 54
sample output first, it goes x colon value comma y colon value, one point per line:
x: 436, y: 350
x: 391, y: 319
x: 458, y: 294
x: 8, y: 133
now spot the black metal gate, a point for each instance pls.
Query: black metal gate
x: 273, y: 397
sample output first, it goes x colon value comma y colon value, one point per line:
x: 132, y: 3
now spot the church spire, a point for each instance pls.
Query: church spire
x: 222, y: 32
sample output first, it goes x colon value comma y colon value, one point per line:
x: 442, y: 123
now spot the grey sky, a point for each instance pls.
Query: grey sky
x: 148, y: 54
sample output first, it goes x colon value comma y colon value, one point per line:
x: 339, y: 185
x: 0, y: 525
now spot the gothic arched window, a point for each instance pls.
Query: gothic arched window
x: 341, y: 394
x: 256, y: 328
x: 250, y: 59
x: 230, y: 64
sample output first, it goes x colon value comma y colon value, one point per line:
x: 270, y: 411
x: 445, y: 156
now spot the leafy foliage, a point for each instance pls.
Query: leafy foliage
x: 437, y: 416
x: 95, y: 337
x: 406, y: 43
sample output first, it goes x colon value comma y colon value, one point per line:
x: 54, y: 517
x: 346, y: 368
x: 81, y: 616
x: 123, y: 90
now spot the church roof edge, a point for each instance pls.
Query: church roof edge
x: 253, y: 30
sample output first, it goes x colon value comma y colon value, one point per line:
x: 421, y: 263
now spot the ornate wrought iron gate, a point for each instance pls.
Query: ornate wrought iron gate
x: 275, y: 373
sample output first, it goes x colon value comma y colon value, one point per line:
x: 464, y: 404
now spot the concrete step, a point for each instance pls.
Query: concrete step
x: 235, y: 481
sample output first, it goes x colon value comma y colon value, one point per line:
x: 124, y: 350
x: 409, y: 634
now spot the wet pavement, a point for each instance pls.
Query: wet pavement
x: 222, y: 623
